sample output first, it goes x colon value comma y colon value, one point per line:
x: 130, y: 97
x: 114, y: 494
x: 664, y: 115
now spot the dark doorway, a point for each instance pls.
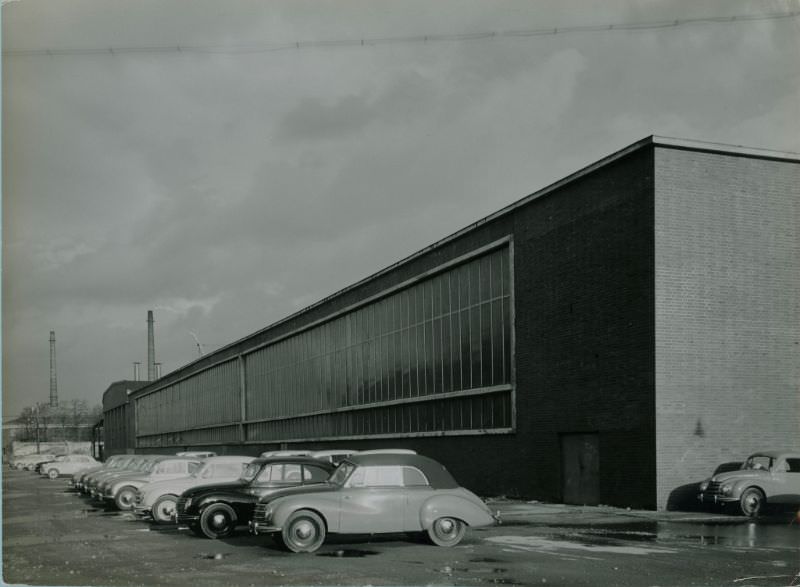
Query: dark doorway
x: 580, y: 468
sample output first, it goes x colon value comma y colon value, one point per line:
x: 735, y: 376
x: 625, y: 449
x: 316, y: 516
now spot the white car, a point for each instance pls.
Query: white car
x: 68, y: 465
x: 157, y: 500
x: 765, y: 478
x: 121, y: 490
x: 29, y: 462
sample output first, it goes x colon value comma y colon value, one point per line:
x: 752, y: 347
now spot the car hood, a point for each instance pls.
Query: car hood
x: 323, y: 487
x: 235, y: 486
x: 179, y: 485
x: 132, y: 479
x: 739, y: 474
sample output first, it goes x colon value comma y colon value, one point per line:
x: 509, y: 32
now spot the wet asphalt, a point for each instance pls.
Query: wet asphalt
x: 52, y: 536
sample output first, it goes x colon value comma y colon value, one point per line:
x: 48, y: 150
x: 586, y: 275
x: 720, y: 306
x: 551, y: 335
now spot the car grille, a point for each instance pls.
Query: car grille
x: 139, y: 498
x: 180, y: 509
x: 259, y: 513
x: 713, y: 488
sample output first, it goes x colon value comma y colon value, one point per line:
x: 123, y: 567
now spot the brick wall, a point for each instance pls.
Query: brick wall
x: 727, y: 313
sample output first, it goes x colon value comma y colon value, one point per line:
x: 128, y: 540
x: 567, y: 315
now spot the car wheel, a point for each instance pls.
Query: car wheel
x: 218, y: 520
x: 446, y: 531
x: 304, y: 531
x: 752, y: 502
x: 163, y: 508
x: 52, y: 473
x: 196, y: 530
x: 124, y: 498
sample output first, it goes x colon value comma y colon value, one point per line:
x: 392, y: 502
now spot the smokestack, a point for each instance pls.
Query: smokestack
x: 53, y: 385
x: 136, y: 365
x: 151, y: 348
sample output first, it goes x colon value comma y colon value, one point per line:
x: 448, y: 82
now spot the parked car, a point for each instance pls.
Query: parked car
x: 765, y: 478
x: 77, y: 478
x: 67, y: 465
x: 38, y: 466
x: 157, y: 500
x: 202, y: 454
x: 136, y: 465
x: 334, y: 455
x: 285, y: 453
x: 27, y: 462
x: 87, y: 482
x: 373, y: 494
x: 214, y: 511
x: 121, y: 490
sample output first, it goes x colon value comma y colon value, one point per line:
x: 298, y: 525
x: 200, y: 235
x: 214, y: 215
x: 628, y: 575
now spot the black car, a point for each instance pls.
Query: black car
x: 215, y: 510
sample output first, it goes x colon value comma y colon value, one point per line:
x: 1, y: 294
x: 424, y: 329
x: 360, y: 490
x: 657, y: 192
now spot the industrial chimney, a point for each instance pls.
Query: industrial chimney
x: 53, y: 387
x: 151, y: 348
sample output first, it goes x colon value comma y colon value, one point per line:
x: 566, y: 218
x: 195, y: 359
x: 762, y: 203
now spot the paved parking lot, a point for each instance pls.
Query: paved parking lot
x: 52, y: 536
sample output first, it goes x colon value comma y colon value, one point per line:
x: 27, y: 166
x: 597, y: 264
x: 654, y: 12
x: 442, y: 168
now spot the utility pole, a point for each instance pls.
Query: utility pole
x: 36, y: 416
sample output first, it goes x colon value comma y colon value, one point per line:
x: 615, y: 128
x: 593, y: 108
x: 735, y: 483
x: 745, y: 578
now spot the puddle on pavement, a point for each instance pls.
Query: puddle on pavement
x: 504, y: 581
x: 348, y: 553
x: 213, y: 556
x: 577, y: 542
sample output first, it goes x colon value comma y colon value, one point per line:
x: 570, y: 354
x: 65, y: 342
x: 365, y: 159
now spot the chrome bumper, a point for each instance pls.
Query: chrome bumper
x: 143, y: 512
x: 715, y: 498
x: 257, y: 528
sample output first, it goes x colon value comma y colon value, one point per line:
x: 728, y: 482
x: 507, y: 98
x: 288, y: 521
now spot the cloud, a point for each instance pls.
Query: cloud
x: 225, y: 191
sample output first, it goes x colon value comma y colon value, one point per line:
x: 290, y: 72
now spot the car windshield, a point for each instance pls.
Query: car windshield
x: 147, y: 466
x: 250, y: 472
x: 203, y: 472
x: 758, y: 463
x: 342, y: 472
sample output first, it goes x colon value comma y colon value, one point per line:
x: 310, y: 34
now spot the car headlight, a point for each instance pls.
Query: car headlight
x: 704, y: 485
x: 726, y: 489
x: 187, y: 504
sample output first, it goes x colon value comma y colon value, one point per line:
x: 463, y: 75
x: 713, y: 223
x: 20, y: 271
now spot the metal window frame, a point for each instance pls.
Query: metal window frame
x: 241, y: 359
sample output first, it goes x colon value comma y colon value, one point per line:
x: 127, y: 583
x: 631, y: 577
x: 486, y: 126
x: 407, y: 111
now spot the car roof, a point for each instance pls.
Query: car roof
x: 438, y: 476
x: 229, y: 459
x: 300, y: 460
x: 776, y: 454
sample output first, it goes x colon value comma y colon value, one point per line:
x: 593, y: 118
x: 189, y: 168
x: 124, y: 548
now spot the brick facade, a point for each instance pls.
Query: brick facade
x: 727, y: 312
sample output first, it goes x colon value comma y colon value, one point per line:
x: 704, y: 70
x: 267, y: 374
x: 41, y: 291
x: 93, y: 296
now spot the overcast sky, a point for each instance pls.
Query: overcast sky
x: 225, y: 189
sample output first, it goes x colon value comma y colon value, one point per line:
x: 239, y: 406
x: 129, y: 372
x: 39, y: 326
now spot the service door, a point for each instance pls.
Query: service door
x: 580, y: 469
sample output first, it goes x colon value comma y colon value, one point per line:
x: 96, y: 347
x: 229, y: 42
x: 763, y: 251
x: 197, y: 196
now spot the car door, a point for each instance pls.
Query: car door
x: 787, y: 480
x: 418, y: 491
x: 373, y: 501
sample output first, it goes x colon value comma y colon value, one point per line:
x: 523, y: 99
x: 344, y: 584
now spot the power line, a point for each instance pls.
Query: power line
x: 433, y: 38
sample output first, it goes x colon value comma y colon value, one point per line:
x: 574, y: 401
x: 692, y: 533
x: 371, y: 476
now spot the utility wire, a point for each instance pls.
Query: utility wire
x: 433, y: 38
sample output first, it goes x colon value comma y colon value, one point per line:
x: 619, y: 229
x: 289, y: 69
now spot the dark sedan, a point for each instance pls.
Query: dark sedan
x: 216, y: 510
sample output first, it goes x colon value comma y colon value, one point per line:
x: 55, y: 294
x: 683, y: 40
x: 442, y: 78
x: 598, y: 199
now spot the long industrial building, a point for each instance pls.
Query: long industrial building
x: 610, y: 339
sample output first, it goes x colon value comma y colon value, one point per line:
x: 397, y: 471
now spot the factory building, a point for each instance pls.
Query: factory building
x: 118, y: 422
x: 610, y: 339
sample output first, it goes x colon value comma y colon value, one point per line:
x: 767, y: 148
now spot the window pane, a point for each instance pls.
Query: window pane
x: 486, y: 344
x: 413, y: 477
x: 466, y: 351
x: 447, y: 361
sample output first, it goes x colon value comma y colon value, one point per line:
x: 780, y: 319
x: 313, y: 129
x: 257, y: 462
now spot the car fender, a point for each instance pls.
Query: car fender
x: 135, y: 483
x: 321, y: 504
x: 454, y: 506
x: 235, y: 500
x: 744, y: 484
